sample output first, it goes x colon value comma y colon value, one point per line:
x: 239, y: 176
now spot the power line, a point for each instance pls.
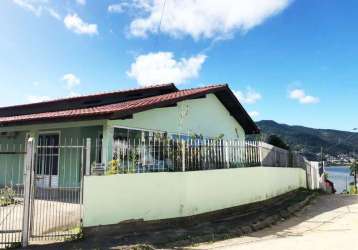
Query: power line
x: 162, y: 15
x: 160, y: 25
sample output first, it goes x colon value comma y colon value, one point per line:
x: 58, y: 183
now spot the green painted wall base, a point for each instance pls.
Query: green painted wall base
x: 154, y: 196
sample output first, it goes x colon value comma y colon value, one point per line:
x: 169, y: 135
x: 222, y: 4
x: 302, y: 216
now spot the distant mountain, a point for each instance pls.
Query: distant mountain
x: 309, y: 140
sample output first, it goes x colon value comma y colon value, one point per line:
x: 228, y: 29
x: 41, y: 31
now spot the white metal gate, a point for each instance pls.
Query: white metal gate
x: 46, y: 208
x: 12, y: 158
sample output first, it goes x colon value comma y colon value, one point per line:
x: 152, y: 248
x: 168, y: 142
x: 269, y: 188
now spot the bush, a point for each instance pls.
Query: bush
x: 274, y: 140
x: 7, y: 195
x: 113, y: 167
x: 353, y: 190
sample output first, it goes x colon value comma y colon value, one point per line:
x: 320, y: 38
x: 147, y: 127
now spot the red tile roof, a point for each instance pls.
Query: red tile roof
x: 127, y: 108
x: 119, y: 108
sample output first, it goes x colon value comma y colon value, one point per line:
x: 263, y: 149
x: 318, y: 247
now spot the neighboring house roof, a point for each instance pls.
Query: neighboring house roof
x: 125, y: 109
x: 88, y: 101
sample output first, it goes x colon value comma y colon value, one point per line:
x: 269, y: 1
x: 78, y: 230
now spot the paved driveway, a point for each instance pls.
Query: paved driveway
x: 50, y: 218
x: 329, y: 223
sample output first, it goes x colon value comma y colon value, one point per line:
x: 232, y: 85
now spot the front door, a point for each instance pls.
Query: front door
x: 48, y: 153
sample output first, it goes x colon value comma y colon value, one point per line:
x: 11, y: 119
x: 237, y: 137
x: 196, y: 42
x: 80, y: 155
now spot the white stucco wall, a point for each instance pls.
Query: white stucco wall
x: 206, y: 116
x: 153, y: 196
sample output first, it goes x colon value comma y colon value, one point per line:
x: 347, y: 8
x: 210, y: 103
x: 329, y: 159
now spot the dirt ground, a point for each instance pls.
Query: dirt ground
x: 330, y: 222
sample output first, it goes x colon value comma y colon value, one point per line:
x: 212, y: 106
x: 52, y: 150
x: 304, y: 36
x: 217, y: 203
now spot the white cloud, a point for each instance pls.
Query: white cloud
x: 300, y: 95
x: 53, y: 13
x: 81, y: 2
x: 117, y: 8
x: 33, y: 98
x: 254, y: 114
x: 162, y: 67
x: 250, y: 96
x: 74, y: 23
x: 37, y: 7
x: 202, y: 18
x: 71, y: 81
x: 29, y: 6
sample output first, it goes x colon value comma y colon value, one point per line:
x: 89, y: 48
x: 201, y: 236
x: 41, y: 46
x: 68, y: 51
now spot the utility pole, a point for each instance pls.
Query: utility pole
x: 355, y: 176
x: 321, y: 165
x: 355, y: 169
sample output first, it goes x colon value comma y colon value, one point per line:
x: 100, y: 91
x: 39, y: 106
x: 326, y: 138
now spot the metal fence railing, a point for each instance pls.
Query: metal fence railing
x: 51, y: 181
x: 172, y: 155
x: 11, y: 193
x: 272, y: 156
x: 42, y: 181
x: 57, y: 189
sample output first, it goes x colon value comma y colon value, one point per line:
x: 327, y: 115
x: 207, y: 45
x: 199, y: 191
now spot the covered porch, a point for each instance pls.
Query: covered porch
x: 58, y: 148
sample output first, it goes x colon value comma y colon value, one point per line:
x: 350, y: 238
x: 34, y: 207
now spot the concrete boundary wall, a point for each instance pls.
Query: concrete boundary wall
x: 314, y: 179
x: 154, y: 196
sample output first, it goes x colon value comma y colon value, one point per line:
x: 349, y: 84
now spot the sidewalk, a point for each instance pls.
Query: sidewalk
x: 329, y: 223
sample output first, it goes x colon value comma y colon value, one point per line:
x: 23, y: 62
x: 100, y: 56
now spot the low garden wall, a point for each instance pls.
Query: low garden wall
x: 154, y: 196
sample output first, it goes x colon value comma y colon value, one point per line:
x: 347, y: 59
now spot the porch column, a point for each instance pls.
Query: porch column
x: 34, y: 134
x: 107, y: 144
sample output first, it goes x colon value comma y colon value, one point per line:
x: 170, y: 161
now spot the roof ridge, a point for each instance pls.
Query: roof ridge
x: 88, y: 95
x: 115, y: 91
x: 213, y: 85
x: 207, y: 87
x: 137, y: 100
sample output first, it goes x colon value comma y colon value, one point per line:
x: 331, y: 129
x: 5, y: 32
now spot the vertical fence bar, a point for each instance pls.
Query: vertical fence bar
x: 227, y: 154
x: 261, y: 153
x: 183, y: 145
x: 82, y: 165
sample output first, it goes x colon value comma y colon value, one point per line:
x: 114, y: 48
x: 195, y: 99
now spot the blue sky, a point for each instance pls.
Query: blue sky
x: 291, y: 61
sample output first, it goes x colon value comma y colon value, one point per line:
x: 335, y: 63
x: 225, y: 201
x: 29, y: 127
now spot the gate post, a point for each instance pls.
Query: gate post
x: 28, y: 181
x: 88, y: 157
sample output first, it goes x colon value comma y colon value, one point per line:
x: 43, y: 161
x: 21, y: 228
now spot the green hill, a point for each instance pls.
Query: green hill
x: 309, y: 140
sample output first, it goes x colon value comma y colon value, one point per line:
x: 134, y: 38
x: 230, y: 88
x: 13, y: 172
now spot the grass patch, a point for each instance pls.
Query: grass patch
x: 76, y: 234
x: 14, y: 245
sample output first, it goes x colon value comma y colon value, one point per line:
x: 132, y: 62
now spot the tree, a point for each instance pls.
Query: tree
x: 277, y: 141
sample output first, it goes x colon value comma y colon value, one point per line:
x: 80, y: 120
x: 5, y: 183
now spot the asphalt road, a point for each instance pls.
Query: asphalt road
x: 330, y: 222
